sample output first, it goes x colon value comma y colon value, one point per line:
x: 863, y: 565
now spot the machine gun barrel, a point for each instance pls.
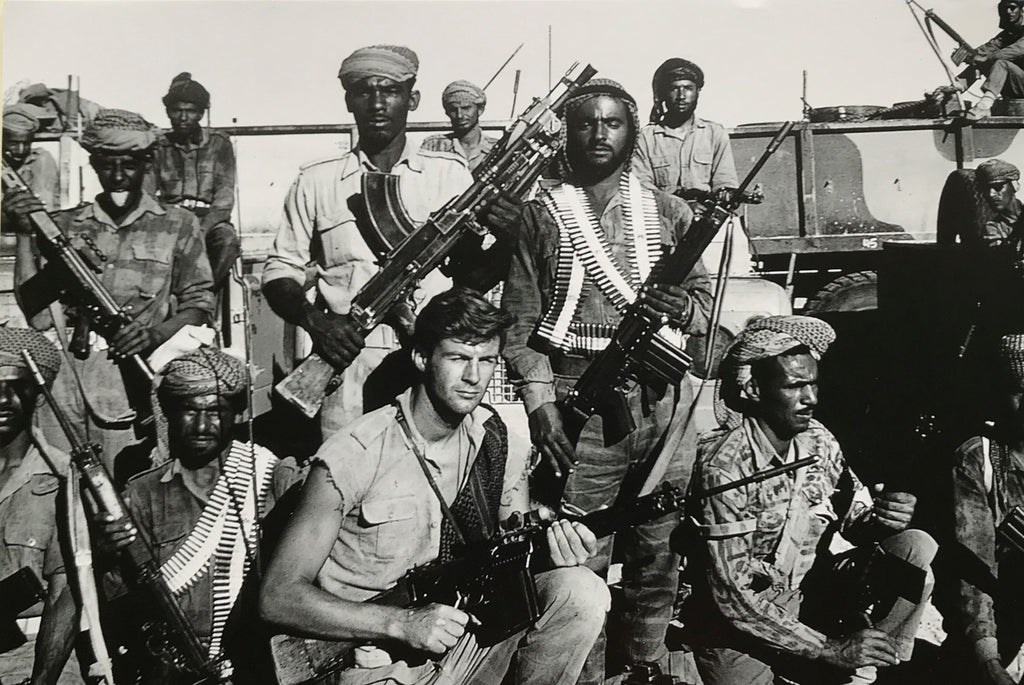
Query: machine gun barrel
x: 636, y: 347
x: 511, y: 167
x: 80, y: 283
x: 170, y: 624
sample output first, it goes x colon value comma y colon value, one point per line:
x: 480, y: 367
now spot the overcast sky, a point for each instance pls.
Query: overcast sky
x: 276, y: 62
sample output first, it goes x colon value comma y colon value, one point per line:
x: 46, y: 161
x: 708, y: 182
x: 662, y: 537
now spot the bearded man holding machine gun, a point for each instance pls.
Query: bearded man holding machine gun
x: 567, y: 310
x: 320, y: 226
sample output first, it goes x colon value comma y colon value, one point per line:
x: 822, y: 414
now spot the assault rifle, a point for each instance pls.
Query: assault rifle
x: 492, y: 580
x: 754, y: 197
x: 74, y: 277
x: 410, y: 252
x: 636, y: 349
x: 166, y: 632
x: 963, y: 51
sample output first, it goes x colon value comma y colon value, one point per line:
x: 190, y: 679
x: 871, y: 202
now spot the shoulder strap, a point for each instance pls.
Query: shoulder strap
x: 445, y: 510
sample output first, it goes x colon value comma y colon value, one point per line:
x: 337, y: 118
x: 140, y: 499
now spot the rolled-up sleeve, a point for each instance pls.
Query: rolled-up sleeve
x: 192, y: 282
x: 528, y: 369
x: 291, y: 251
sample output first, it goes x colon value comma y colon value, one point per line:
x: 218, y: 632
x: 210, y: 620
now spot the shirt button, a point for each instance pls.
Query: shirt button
x: 31, y: 542
x: 433, y: 524
x: 110, y: 266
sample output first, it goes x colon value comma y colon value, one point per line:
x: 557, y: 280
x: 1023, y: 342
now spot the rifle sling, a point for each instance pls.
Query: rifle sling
x: 445, y: 510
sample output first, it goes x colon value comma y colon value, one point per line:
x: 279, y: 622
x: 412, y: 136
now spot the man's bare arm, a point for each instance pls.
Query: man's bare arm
x: 290, y: 598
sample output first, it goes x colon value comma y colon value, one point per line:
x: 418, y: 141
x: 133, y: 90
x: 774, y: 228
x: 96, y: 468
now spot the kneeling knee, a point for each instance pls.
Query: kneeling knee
x: 575, y: 590
x: 914, y: 546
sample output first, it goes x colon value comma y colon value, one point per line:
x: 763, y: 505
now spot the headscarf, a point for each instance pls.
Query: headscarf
x: 462, y: 93
x: 206, y: 371
x: 388, y: 61
x: 591, y: 89
x: 34, y: 92
x: 184, y: 89
x: 117, y: 130
x: 673, y: 69
x: 995, y: 171
x: 765, y: 338
x: 44, y: 353
x: 23, y: 117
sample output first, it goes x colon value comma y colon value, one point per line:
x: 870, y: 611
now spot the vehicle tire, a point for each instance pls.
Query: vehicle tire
x: 854, y: 292
x: 962, y: 210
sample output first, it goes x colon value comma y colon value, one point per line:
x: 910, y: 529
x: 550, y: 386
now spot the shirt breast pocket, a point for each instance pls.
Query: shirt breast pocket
x: 770, y: 523
x: 30, y: 526
x: 151, y: 268
x: 392, y: 525
x: 167, y: 537
x: 664, y: 176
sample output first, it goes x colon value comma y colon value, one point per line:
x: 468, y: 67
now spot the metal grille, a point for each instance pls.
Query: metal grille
x: 500, y: 390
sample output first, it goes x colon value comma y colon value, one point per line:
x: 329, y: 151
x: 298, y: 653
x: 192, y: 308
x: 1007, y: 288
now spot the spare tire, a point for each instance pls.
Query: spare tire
x: 853, y: 292
x: 962, y: 210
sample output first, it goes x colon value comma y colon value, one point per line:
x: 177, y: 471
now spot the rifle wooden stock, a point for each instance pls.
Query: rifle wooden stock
x: 410, y: 252
x: 70, y: 276
x: 636, y: 350
x: 475, y: 579
x: 168, y: 633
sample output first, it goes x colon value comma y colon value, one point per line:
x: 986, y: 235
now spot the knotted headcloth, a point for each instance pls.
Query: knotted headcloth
x: 995, y: 171
x: 673, y: 69
x: 388, y: 61
x: 763, y: 339
x: 591, y: 89
x: 206, y: 371
x: 116, y: 131
x: 45, y: 354
x: 184, y: 89
x: 462, y: 93
x: 22, y: 117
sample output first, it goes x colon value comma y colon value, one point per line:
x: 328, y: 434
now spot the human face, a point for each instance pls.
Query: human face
x: 199, y: 429
x: 1010, y: 14
x: 599, y: 136
x: 999, y: 196
x: 464, y: 118
x: 680, y: 98
x: 381, y: 107
x: 17, y: 400
x: 120, y: 175
x: 17, y: 145
x: 456, y: 374
x: 787, y: 396
x: 185, y: 117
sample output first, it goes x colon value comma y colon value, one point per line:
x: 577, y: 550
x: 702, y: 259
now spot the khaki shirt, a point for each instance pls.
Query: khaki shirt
x: 696, y: 156
x: 449, y: 143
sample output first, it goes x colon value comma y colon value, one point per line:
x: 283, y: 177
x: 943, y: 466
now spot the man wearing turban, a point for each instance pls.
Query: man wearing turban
x: 320, y: 228
x: 192, y: 503
x: 195, y: 169
x: 30, y: 477
x: 35, y: 166
x: 568, y: 298
x: 463, y: 103
x: 679, y: 152
x: 154, y: 265
x: 761, y: 541
x: 997, y: 183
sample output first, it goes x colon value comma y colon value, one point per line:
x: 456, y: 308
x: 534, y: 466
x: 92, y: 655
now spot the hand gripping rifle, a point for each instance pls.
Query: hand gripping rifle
x: 636, y: 350
x: 410, y: 252
x: 166, y: 630
x: 492, y: 580
x: 74, y: 277
x: 963, y: 50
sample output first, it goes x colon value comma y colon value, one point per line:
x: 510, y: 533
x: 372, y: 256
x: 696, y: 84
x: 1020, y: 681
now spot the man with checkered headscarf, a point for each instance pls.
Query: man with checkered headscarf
x: 463, y: 104
x: 986, y: 632
x: 194, y: 168
x: 320, y: 226
x: 585, y: 247
x: 764, y: 547
x: 30, y: 475
x: 191, y: 504
x: 35, y: 166
x: 678, y: 151
x: 154, y: 266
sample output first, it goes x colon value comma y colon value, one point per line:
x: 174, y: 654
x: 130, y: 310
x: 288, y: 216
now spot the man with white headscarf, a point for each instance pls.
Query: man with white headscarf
x: 463, y: 104
x: 761, y: 541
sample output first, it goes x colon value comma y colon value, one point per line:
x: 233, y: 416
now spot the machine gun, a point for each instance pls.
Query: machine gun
x: 636, y: 350
x: 166, y: 632
x: 492, y: 580
x: 73, y: 277
x: 410, y: 252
